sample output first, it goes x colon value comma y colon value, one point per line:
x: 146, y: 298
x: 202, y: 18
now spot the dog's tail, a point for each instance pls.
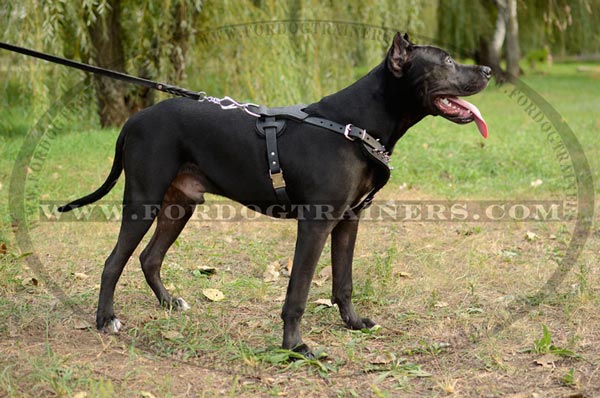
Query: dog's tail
x: 110, y: 182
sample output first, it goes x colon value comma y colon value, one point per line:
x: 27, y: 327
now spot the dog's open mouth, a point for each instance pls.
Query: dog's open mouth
x: 460, y: 111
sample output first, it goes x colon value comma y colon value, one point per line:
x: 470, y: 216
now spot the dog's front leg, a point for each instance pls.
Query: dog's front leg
x: 309, y: 245
x: 343, y: 238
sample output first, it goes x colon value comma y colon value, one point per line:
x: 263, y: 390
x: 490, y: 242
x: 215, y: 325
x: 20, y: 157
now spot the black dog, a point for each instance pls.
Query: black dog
x: 179, y: 149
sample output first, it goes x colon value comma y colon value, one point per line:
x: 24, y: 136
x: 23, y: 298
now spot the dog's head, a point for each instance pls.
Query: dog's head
x: 438, y: 81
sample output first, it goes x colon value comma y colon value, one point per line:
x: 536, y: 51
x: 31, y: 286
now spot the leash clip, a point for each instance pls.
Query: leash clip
x: 227, y: 103
x: 233, y: 104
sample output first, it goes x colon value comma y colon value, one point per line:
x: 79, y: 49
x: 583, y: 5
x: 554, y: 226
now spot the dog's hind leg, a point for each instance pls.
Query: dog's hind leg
x: 178, y: 206
x: 136, y: 222
x: 144, y: 190
x: 343, y: 238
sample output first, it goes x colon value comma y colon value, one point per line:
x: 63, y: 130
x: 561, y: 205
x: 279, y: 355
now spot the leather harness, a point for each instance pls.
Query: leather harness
x: 271, y: 123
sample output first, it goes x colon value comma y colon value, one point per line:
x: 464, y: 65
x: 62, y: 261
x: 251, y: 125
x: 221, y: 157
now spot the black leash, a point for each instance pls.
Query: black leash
x: 167, y: 88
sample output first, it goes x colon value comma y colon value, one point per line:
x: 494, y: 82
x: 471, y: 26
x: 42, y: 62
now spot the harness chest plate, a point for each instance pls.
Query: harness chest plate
x: 271, y: 123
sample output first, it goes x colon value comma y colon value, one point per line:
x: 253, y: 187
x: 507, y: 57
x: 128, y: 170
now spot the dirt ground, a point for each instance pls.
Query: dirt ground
x: 460, y: 306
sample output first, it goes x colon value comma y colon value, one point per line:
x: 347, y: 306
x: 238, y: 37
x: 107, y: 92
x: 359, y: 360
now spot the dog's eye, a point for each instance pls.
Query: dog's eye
x: 449, y: 61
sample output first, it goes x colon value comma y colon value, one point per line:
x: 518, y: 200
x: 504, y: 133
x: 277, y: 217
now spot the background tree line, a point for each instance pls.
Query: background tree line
x: 178, y: 41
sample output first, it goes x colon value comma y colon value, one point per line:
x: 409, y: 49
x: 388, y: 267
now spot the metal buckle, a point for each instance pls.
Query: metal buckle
x: 277, y: 179
x: 347, y: 132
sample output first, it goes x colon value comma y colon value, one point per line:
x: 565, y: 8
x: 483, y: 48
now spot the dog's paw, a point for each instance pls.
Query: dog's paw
x: 113, y: 326
x: 303, y: 350
x: 180, y: 304
x: 360, y: 323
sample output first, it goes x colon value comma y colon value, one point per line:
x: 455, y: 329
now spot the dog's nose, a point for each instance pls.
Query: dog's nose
x: 486, y: 71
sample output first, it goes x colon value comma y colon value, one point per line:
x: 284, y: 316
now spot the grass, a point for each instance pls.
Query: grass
x: 458, y: 302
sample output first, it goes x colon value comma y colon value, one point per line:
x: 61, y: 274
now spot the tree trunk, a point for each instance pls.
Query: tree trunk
x: 180, y: 36
x: 490, y: 49
x: 513, y: 53
x: 495, y: 46
x: 108, y: 52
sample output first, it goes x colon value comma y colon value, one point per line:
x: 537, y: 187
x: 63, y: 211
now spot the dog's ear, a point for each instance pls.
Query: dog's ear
x: 400, y: 55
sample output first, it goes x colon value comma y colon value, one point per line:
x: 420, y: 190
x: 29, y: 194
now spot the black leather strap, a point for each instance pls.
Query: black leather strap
x: 349, y: 131
x: 275, y: 171
x: 296, y: 112
x: 270, y: 125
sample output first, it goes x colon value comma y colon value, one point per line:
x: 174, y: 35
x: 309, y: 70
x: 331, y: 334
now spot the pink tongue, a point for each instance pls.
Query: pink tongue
x: 481, y: 125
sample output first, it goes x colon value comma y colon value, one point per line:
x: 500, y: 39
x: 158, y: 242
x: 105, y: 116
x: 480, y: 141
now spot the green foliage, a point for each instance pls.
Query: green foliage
x: 389, y: 367
x: 566, y: 27
x: 544, y: 345
x: 568, y: 379
x: 251, y: 49
x: 461, y: 23
x: 245, y: 49
x: 155, y: 39
x: 286, y: 359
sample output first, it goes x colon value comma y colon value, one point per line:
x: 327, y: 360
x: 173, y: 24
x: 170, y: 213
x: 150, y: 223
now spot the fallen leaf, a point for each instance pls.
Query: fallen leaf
x: 80, y: 394
x: 172, y: 335
x: 325, y: 302
x: 404, y: 274
x: 279, y: 299
x: 80, y: 275
x: 506, y: 299
x: 383, y: 359
x: 146, y: 394
x: 206, y: 270
x: 547, y: 361
x: 54, y: 304
x: 508, y: 253
x: 213, y: 294
x: 536, y: 183
x: 286, y: 268
x: 440, y: 304
x: 3, y: 249
x: 271, y: 274
x: 29, y: 281
x: 80, y: 324
x: 326, y: 273
x: 531, y: 236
